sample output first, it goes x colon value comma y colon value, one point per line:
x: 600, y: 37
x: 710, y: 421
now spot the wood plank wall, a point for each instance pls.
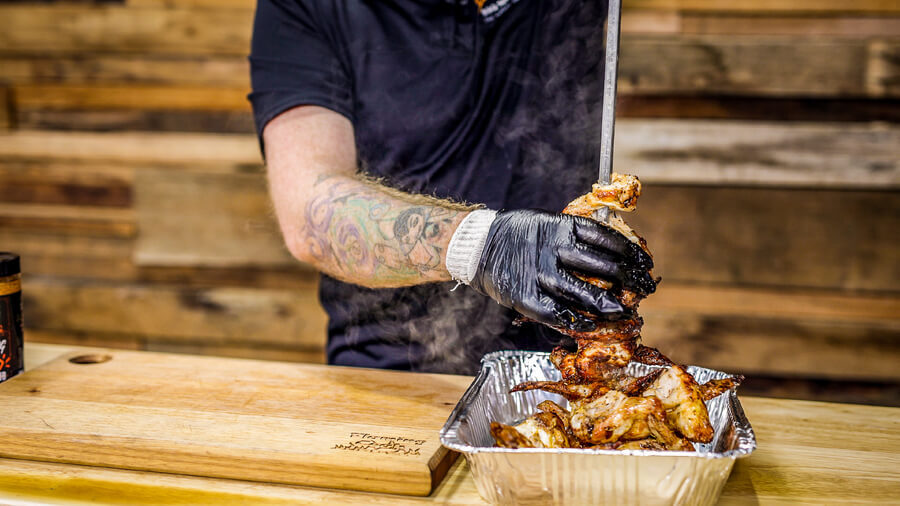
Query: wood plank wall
x: 766, y: 133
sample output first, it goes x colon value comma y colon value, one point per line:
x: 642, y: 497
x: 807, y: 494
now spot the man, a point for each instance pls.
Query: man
x: 381, y: 120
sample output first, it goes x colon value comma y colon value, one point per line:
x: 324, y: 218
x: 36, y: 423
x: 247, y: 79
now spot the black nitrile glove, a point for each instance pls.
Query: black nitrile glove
x: 529, y: 258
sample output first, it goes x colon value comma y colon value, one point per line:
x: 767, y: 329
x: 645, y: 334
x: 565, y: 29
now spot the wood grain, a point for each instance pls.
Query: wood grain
x: 72, y: 255
x: 287, y: 423
x: 742, y: 65
x: 5, y: 106
x: 106, y: 69
x: 752, y: 6
x: 769, y: 109
x: 805, y: 455
x: 85, y: 220
x: 226, y: 316
x: 883, y: 74
x: 757, y: 345
x: 118, y: 120
x: 843, y: 25
x: 798, y: 333
x: 177, y: 150
x: 131, y: 96
x: 43, y: 183
x: 810, y: 155
x: 73, y: 29
x: 77, y: 44
x: 772, y: 237
x: 206, y: 219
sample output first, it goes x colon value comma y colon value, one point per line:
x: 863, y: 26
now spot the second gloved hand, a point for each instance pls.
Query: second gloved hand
x: 528, y: 257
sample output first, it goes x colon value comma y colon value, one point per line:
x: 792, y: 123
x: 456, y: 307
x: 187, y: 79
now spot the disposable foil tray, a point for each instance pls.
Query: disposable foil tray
x: 575, y: 476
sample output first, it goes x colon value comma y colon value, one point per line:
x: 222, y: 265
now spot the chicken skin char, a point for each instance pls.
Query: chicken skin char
x: 608, y: 408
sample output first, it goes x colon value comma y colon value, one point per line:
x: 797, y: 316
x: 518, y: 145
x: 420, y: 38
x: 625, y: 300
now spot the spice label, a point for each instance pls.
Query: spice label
x: 11, y: 342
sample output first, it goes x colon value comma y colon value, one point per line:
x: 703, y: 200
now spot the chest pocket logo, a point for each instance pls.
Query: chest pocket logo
x: 494, y: 9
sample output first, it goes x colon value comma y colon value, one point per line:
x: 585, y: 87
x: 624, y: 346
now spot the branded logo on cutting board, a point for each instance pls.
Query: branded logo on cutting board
x: 373, y: 443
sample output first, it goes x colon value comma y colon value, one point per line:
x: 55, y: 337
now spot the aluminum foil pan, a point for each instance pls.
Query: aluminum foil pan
x: 574, y: 476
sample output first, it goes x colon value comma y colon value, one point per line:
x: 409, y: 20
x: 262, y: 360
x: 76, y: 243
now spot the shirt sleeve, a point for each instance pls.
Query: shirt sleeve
x: 292, y: 63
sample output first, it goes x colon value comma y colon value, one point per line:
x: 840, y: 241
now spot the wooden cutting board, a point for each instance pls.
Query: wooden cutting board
x: 323, y: 426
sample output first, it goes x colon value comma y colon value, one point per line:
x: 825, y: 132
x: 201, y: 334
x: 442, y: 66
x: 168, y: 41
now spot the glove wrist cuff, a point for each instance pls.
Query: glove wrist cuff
x: 467, y: 244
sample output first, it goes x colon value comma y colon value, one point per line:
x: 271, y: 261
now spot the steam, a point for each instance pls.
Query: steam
x: 555, y: 131
x: 558, y: 128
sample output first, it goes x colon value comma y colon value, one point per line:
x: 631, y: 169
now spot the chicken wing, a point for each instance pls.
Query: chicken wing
x: 609, y: 408
x: 683, y: 401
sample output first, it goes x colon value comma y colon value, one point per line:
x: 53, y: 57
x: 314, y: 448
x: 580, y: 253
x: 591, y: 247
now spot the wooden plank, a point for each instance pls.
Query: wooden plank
x: 642, y: 21
x: 801, y: 155
x: 37, y: 354
x: 181, y: 150
x: 669, y: 63
x: 735, y: 329
x: 753, y: 6
x: 789, y: 466
x: 67, y: 255
x: 873, y: 393
x: 231, y: 225
x: 130, y: 119
x: 758, y: 108
x: 884, y: 69
x: 743, y: 65
x: 224, y: 71
x: 62, y: 340
x: 73, y: 29
x: 87, y: 220
x: 250, y: 351
x: 65, y: 341
x: 214, y: 4
x: 5, y: 105
x: 73, y: 255
x: 776, y: 332
x: 754, y: 344
x: 288, y: 423
x: 42, y: 183
x: 725, y: 301
x: 772, y: 237
x: 709, y: 23
x: 227, y: 316
x: 293, y: 277
x: 760, y: 154
x: 131, y: 96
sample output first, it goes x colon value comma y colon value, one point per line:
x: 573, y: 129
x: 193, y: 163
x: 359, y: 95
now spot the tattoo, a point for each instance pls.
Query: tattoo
x: 357, y: 231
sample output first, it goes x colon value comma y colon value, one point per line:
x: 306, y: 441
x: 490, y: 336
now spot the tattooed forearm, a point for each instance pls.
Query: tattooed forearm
x: 362, y: 232
x: 348, y: 226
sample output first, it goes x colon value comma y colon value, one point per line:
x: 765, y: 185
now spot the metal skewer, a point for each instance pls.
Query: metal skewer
x: 608, y: 122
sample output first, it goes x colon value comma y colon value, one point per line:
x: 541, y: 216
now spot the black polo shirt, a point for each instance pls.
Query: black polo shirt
x: 500, y: 107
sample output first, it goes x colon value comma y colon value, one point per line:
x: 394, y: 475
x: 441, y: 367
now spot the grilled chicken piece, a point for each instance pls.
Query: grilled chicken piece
x: 507, y: 436
x: 610, y: 409
x: 547, y: 429
x: 620, y: 194
x: 651, y: 356
x: 683, y: 401
x: 714, y: 388
x: 643, y: 444
x: 614, y: 416
x: 571, y: 391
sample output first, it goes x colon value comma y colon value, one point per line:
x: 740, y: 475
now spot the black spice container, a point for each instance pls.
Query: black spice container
x: 12, y: 357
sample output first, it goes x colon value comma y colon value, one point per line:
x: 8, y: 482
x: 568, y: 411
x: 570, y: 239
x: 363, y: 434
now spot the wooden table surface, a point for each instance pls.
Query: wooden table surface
x: 809, y: 453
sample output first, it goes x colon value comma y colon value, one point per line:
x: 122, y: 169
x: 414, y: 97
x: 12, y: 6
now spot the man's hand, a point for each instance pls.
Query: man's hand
x: 529, y: 258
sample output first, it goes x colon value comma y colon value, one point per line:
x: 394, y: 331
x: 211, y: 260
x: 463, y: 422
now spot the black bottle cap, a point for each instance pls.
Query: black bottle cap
x: 9, y: 264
